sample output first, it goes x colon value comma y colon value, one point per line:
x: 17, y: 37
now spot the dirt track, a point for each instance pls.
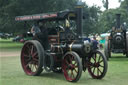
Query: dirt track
x: 11, y: 54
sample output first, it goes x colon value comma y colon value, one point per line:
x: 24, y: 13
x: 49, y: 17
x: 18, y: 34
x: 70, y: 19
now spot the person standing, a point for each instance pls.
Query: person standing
x: 35, y: 29
x: 95, y: 43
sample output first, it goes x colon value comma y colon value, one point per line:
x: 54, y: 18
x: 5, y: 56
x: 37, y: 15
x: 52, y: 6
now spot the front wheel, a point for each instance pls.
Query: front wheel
x: 97, y: 65
x: 107, y: 49
x: 72, y: 66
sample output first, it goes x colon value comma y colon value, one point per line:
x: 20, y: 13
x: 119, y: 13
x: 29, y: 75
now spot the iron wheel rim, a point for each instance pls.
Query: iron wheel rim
x: 69, y: 67
x: 30, y: 59
x: 97, y: 66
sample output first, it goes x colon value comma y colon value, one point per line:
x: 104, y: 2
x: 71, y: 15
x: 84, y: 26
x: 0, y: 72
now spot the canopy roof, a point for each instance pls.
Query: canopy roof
x: 47, y: 16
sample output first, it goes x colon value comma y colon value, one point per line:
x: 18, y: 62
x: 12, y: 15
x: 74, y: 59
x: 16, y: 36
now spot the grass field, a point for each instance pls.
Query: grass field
x: 11, y: 72
x: 8, y: 45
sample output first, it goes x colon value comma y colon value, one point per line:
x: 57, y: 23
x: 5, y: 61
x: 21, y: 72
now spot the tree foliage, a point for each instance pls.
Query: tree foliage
x: 107, y: 18
x: 106, y: 4
x: 91, y: 22
x: 9, y: 9
x: 95, y: 21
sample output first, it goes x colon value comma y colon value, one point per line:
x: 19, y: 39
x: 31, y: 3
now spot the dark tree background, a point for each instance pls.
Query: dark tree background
x: 107, y: 18
x: 96, y: 21
x: 9, y: 9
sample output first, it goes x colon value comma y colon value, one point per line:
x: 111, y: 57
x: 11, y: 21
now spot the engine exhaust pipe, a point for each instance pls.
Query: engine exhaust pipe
x: 118, y: 21
x: 79, y: 20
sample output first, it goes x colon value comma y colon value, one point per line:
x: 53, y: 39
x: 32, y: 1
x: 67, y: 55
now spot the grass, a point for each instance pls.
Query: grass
x: 8, y: 45
x: 11, y: 72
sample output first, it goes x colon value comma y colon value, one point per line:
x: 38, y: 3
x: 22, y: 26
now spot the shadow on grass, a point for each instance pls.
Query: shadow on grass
x: 91, y: 80
x: 52, y: 75
x: 60, y: 76
x: 118, y: 58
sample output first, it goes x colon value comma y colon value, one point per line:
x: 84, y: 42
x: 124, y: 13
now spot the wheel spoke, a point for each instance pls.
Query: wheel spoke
x: 100, y: 61
x: 28, y: 50
x: 26, y: 58
x: 99, y: 70
x: 32, y: 50
x: 70, y: 59
x: 76, y: 66
x: 99, y: 58
x: 75, y: 70
x: 90, y: 64
x: 93, y: 70
x: 32, y: 67
x: 101, y: 66
x: 65, y: 66
x: 36, y: 60
x: 95, y: 57
x: 34, y: 54
x: 66, y: 62
x: 75, y: 63
x: 72, y: 74
x: 27, y: 65
x: 67, y: 70
x: 36, y: 67
x: 25, y: 55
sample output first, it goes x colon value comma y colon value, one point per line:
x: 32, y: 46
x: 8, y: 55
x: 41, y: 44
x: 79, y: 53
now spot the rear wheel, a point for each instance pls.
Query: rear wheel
x: 32, y: 58
x: 72, y: 66
x: 97, y: 66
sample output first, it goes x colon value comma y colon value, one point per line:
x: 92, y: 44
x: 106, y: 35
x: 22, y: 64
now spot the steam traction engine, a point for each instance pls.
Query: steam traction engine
x: 61, y: 48
x: 117, y: 42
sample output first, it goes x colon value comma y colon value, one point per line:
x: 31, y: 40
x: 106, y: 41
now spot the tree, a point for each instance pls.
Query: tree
x: 9, y: 9
x: 106, y: 4
x: 124, y: 6
x: 107, y: 24
x: 91, y: 21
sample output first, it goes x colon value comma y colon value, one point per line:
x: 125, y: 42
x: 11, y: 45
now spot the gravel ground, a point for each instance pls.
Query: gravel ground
x: 7, y: 54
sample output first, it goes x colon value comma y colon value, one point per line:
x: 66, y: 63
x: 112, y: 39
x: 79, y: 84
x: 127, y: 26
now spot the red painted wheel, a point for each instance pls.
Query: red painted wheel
x: 97, y: 66
x: 32, y: 58
x: 72, y: 66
